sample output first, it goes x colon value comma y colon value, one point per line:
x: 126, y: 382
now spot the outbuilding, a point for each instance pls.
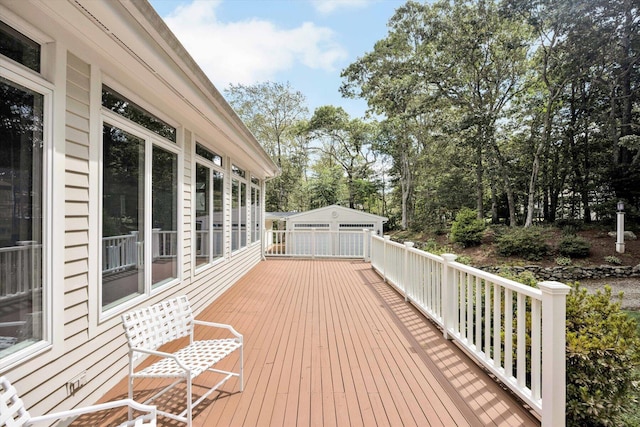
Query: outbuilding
x: 329, y: 231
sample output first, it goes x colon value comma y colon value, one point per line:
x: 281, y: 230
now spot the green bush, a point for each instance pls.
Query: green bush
x: 574, y: 247
x: 467, y: 229
x: 524, y: 242
x: 563, y: 261
x: 602, y: 351
x: 610, y: 259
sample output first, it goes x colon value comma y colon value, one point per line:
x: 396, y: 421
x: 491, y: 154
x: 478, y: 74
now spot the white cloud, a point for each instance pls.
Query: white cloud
x: 251, y: 50
x: 328, y: 6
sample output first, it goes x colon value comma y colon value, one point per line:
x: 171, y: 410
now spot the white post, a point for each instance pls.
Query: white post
x: 384, y: 257
x: 554, y: 386
x: 620, y: 232
x: 313, y: 243
x: 366, y: 244
x: 448, y: 298
x: 405, y: 270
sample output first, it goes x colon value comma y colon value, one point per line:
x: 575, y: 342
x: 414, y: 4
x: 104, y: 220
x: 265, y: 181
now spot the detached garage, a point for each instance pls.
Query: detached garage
x: 330, y: 231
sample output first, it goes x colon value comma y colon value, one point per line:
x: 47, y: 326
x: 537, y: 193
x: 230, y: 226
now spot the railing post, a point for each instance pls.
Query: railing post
x: 405, y: 270
x: 366, y: 244
x: 384, y: 257
x: 554, y: 385
x: 448, y: 297
x: 313, y: 243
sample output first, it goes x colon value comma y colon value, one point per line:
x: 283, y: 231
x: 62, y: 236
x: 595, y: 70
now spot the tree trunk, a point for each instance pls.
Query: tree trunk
x: 479, y: 178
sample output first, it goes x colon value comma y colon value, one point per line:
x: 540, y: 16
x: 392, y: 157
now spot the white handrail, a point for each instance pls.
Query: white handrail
x: 317, y: 243
x: 491, y: 317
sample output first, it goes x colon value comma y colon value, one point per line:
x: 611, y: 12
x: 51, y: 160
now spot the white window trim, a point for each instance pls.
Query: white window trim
x: 151, y: 139
x: 225, y: 178
x: 33, y: 81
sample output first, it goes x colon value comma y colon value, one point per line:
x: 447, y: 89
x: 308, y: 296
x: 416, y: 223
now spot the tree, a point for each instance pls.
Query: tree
x: 347, y: 141
x: 458, y: 55
x: 273, y: 112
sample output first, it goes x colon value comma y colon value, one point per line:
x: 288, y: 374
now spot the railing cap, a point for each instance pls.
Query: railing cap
x: 555, y: 288
x: 449, y: 257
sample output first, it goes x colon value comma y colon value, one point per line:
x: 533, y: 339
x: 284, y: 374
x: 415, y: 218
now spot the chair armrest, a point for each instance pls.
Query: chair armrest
x: 220, y: 326
x: 149, y: 409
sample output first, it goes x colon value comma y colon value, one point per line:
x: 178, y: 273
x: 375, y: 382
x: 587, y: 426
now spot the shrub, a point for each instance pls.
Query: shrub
x: 467, y: 229
x: 574, y: 247
x: 563, y: 261
x: 602, y: 351
x: 610, y: 259
x: 524, y: 242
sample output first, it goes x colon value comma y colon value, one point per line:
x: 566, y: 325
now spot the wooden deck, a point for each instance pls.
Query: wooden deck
x: 327, y: 343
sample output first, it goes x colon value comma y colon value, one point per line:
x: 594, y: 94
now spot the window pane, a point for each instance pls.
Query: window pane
x: 202, y: 215
x: 208, y: 154
x: 165, y: 216
x: 20, y: 48
x: 21, y: 184
x: 255, y: 214
x: 121, y: 105
x: 235, y: 214
x: 218, y: 214
x: 243, y: 215
x: 122, y: 216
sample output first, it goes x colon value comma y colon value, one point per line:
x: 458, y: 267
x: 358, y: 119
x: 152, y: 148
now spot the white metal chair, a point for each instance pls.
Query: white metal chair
x: 14, y: 414
x: 149, y: 328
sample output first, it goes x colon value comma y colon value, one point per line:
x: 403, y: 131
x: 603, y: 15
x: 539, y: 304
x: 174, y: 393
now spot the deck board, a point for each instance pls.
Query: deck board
x: 328, y: 343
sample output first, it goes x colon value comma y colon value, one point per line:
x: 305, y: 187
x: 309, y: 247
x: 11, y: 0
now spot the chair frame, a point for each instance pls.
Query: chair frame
x: 14, y: 414
x: 147, y: 329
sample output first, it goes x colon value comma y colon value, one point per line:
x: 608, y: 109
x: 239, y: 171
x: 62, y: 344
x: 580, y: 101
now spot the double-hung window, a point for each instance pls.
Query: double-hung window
x: 209, y: 242
x: 25, y: 143
x: 139, y: 242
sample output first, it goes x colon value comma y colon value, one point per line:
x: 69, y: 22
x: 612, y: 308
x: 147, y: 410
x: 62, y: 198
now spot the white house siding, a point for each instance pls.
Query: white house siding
x: 84, y: 342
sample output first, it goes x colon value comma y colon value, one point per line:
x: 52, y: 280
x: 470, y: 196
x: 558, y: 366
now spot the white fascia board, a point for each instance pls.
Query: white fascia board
x: 132, y: 45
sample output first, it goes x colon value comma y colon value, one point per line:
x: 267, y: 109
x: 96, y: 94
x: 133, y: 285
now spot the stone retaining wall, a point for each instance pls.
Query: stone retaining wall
x: 569, y: 273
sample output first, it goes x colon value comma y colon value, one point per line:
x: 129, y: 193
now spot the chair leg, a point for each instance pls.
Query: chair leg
x: 189, y: 400
x: 241, y: 378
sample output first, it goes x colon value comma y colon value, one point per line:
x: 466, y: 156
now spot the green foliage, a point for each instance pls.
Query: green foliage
x: 527, y: 243
x: 563, y: 261
x: 610, y: 259
x: 467, y: 229
x: 602, y: 350
x: 574, y: 246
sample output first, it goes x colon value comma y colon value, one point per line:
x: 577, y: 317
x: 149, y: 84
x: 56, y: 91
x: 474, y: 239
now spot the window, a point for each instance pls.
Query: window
x: 19, y: 47
x: 209, y: 155
x: 139, y: 209
x: 209, y: 244
x: 122, y: 106
x: 238, y: 209
x: 256, y: 212
x: 164, y: 187
x: 23, y: 238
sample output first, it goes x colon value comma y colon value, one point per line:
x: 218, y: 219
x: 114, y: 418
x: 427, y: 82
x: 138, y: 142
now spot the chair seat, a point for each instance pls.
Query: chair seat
x: 198, y: 357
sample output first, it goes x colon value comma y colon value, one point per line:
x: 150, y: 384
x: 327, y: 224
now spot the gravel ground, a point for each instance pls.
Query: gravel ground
x: 629, y: 286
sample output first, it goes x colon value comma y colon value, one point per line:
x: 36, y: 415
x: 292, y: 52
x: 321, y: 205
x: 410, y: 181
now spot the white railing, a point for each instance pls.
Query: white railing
x: 317, y: 243
x: 119, y: 252
x: 122, y: 252
x: 491, y: 317
x: 20, y: 269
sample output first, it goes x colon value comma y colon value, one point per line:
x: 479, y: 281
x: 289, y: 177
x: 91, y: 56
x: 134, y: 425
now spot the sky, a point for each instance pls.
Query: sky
x: 304, y: 42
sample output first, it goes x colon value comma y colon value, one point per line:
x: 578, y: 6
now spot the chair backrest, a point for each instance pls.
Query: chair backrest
x: 12, y: 410
x: 150, y: 327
